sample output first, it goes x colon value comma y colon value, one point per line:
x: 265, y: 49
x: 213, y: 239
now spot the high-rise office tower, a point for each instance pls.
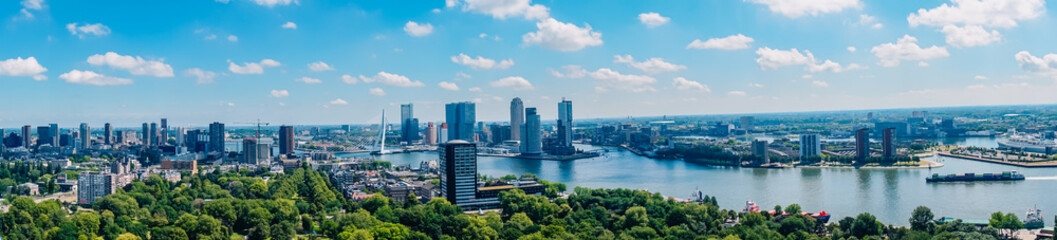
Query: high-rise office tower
x: 26, y: 143
x: 458, y: 175
x: 461, y: 117
x: 179, y: 134
x: 216, y: 137
x: 145, y: 134
x: 431, y: 134
x: 107, y: 134
x: 286, y: 140
x: 810, y: 145
x: 531, y: 143
x: 442, y: 133
x: 249, y: 151
x: 93, y: 185
x: 54, y: 127
x: 759, y: 149
x: 862, y: 144
x: 747, y: 122
x: 154, y: 135
x: 44, y: 136
x: 86, y: 136
x: 3, y: 143
x: 565, y: 123
x: 408, y: 123
x: 888, y: 146
x: 164, y: 136
x: 517, y: 118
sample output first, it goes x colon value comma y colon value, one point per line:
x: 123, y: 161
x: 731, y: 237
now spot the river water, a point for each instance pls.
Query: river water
x: 889, y: 194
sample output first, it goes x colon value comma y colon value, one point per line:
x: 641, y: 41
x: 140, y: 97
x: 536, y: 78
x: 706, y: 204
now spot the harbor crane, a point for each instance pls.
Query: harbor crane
x: 259, y: 124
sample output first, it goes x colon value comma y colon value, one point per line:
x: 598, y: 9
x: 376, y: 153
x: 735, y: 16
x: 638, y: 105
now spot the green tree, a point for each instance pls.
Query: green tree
x: 921, y: 219
x: 865, y: 225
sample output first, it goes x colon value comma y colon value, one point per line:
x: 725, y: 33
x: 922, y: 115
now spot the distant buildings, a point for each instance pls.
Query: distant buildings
x: 887, y: 144
x: 286, y: 140
x: 458, y: 176
x: 145, y: 135
x: 254, y: 152
x: 747, y: 122
x: 565, y: 123
x: 44, y: 136
x: 164, y: 136
x: 902, y: 129
x: 92, y: 185
x: 25, y: 136
x: 810, y: 145
x: 862, y: 144
x: 442, y: 133
x: 461, y: 118
x: 108, y: 132
x: 153, y: 135
x: 86, y: 136
x: 759, y: 149
x: 54, y: 127
x: 408, y: 124
x: 216, y: 137
x: 180, y: 165
x: 517, y: 118
x: 531, y: 142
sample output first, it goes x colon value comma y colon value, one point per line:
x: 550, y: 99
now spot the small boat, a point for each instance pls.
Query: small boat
x: 1035, y: 219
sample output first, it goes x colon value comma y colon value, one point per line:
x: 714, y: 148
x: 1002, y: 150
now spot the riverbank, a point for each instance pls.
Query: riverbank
x: 922, y: 164
x: 559, y: 157
x: 1050, y: 164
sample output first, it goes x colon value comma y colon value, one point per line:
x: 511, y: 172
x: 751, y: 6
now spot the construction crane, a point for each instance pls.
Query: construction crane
x: 258, y: 123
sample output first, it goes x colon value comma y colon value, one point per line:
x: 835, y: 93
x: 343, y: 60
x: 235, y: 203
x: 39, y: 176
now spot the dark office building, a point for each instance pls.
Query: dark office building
x: 26, y: 141
x: 216, y: 137
x: 461, y: 117
x: 108, y: 134
x: 286, y: 140
x: 44, y: 136
x: 862, y: 144
x: 887, y: 142
x: 164, y: 132
x: 458, y: 176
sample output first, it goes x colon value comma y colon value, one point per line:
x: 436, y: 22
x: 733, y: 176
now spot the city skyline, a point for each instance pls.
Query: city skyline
x: 666, y: 58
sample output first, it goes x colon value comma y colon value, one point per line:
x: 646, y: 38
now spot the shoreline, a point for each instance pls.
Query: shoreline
x: 1050, y: 164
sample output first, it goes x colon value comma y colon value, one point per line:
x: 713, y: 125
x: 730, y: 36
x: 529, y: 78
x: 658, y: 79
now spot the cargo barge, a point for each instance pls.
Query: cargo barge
x: 973, y: 177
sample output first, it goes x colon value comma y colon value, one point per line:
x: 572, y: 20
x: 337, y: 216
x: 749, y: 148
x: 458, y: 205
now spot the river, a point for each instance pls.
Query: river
x: 889, y: 194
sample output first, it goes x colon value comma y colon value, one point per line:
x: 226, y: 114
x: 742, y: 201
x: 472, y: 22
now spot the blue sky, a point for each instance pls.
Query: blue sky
x: 195, y: 62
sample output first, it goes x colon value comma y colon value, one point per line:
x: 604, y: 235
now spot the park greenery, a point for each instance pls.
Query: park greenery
x: 304, y: 204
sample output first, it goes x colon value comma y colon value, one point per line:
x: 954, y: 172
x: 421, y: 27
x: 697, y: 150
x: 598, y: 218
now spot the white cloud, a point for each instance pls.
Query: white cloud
x: 923, y: 64
x: 609, y: 79
x: 233, y: 38
x: 503, y: 9
x: 377, y: 92
x: 736, y: 93
x: 289, y: 25
x: 309, y: 80
x: 906, y: 49
x: 851, y: 49
x: 807, y: 76
x: 135, y: 65
x: 979, y: 77
x: 992, y: 13
x: 481, y: 62
x: 771, y: 59
x: 732, y: 42
x: 231, y: 104
x: 867, y: 20
x: 570, y: 71
x: 250, y: 67
x: 92, y: 78
x: 450, y: 86
x: 818, y: 83
x: 23, y: 67
x: 319, y: 66
x: 273, y: 3
x: 517, y: 83
x: 33, y: 4
x: 683, y: 84
x: 970, y: 36
x: 1046, y: 65
x: 565, y: 37
x: 417, y: 30
x: 338, y: 101
x: 475, y: 89
x: 202, y: 76
x: 349, y: 79
x: 798, y: 8
x: 462, y: 75
x: 652, y: 19
x: 755, y: 85
x: 79, y: 30
x: 280, y: 93
x: 652, y: 65
x: 391, y: 79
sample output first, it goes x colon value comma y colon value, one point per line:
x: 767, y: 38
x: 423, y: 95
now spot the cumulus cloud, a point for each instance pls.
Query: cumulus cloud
x: 652, y: 65
x: 23, y: 67
x: 82, y: 30
x: 201, y: 76
x: 319, y: 66
x: 565, y: 37
x: 652, y: 19
x: 135, y: 65
x: 252, y: 67
x: 683, y: 84
x: 851, y: 49
x: 349, y: 79
x: 289, y: 25
x: 992, y: 13
x: 309, y: 80
x: 450, y: 86
x: 818, y: 83
x: 418, y: 30
x: 970, y: 36
x: 906, y: 49
x: 569, y: 71
x: 798, y: 8
x: 30, y: 5
x: 377, y: 92
x: 474, y: 89
x: 280, y: 93
x: 273, y: 3
x: 1046, y: 65
x: 503, y: 9
x: 771, y: 59
x: 391, y: 79
x: 609, y: 79
x: 732, y: 42
x: 481, y: 62
x: 339, y: 101
x: 867, y: 20
x: 92, y: 78
x: 517, y: 83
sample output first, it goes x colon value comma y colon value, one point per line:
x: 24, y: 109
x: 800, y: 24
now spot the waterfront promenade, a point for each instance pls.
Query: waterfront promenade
x: 1049, y: 164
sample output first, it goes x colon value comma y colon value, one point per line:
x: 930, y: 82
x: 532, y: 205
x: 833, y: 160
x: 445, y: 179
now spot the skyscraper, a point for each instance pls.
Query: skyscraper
x: 810, y: 145
x: 759, y: 149
x: 408, y: 124
x: 442, y: 133
x: 431, y: 134
x: 531, y: 143
x: 54, y: 127
x: 145, y: 135
x: 862, y: 144
x: 458, y: 175
x: 887, y: 144
x: 179, y: 134
x: 164, y: 136
x: 26, y: 143
x: 461, y: 117
x: 154, y: 135
x: 86, y: 136
x: 565, y: 123
x: 216, y: 137
x: 517, y: 118
x: 107, y: 134
x: 44, y: 136
x: 93, y: 185
x: 249, y: 151
x: 286, y: 140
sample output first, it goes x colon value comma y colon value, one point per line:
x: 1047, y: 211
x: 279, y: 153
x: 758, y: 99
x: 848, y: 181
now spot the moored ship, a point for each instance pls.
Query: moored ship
x: 973, y: 177
x: 1028, y: 143
x: 1035, y: 219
